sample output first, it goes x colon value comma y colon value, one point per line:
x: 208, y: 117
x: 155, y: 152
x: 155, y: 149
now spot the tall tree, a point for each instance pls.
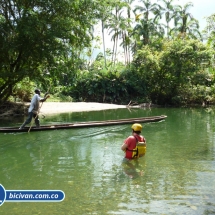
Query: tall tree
x: 210, y: 30
x: 104, y: 15
x: 128, y: 32
x: 145, y: 31
x: 168, y: 10
x: 34, y: 34
x: 146, y: 23
x: 173, y: 67
x: 116, y: 25
x: 185, y: 23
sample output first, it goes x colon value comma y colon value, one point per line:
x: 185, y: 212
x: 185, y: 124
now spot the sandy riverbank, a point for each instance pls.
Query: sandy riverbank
x: 66, y: 107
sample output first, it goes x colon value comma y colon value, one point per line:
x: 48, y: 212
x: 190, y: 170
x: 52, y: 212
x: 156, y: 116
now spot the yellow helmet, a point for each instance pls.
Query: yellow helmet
x: 136, y: 127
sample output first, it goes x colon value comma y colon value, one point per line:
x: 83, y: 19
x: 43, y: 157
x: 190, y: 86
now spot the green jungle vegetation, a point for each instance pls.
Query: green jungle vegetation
x: 50, y: 45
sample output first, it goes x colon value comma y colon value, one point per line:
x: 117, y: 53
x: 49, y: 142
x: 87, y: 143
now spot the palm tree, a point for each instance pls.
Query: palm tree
x: 127, y: 40
x: 113, y: 27
x: 146, y: 9
x: 169, y: 11
x: 185, y: 23
x: 146, y: 23
x: 146, y: 30
x: 117, y: 27
x: 103, y: 41
x: 104, y: 13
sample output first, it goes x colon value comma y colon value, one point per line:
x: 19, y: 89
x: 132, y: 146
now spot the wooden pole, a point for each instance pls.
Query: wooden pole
x: 38, y: 112
x: 35, y: 117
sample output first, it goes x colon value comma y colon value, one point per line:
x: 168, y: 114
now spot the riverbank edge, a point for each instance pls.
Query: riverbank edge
x: 9, y: 109
x: 49, y: 108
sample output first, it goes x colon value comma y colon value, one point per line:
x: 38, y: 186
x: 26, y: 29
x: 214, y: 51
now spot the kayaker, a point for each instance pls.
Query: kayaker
x: 34, y: 108
x: 134, y: 145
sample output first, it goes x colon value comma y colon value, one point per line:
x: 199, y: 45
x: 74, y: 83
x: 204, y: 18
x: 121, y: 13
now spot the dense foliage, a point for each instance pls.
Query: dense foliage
x: 171, y: 72
x: 50, y: 44
x: 36, y: 35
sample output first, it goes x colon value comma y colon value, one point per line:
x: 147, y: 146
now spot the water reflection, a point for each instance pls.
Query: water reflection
x: 176, y: 176
x: 133, y: 169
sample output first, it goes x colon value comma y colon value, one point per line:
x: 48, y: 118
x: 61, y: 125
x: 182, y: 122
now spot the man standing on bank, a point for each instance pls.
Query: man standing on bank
x: 33, y: 110
x: 135, y: 145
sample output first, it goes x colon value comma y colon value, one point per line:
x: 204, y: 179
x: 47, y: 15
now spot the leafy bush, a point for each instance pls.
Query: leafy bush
x: 97, y: 87
x: 23, y: 90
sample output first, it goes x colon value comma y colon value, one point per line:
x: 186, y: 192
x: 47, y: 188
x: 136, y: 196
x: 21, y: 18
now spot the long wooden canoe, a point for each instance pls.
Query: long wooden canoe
x: 85, y: 124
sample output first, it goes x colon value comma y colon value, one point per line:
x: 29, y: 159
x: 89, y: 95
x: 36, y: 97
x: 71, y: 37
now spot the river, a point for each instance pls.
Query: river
x: 176, y: 176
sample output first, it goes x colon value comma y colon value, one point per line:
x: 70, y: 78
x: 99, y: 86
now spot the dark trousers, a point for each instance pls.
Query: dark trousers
x: 29, y: 118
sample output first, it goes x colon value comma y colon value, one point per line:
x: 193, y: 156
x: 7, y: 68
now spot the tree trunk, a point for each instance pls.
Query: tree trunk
x: 103, y: 37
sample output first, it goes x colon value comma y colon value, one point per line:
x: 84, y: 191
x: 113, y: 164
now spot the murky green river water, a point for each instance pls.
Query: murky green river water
x: 177, y: 175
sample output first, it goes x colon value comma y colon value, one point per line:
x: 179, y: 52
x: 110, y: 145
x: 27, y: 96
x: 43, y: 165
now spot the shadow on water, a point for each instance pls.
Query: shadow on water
x: 176, y: 176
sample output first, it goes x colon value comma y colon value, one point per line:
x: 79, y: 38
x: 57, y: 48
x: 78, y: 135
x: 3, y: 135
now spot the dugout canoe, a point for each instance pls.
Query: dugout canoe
x: 84, y: 124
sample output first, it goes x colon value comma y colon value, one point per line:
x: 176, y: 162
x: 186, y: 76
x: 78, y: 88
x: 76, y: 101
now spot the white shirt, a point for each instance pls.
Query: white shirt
x: 35, y: 104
